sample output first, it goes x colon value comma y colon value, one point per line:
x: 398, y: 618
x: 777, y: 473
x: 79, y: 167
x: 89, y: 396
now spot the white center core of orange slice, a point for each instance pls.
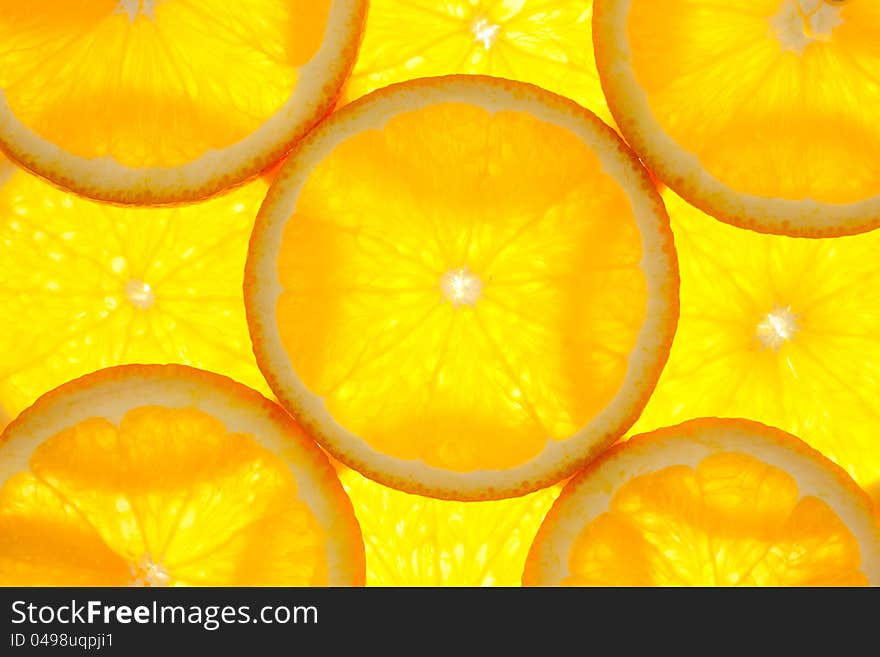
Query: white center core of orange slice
x: 778, y: 327
x: 461, y: 286
x: 149, y: 573
x: 800, y: 22
x: 140, y: 294
x: 485, y: 32
x: 135, y: 8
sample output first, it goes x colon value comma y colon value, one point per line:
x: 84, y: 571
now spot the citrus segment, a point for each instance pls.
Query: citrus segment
x: 709, y: 503
x: 152, y: 475
x: 754, y: 112
x: 778, y: 330
x: 464, y: 286
x: 30, y: 512
x: 154, y: 102
x: 86, y: 285
x: 411, y: 540
x: 544, y: 43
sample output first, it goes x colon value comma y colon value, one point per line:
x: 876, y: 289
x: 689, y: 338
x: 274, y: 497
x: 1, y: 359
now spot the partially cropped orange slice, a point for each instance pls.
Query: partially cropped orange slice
x: 167, y: 475
x: 545, y: 43
x: 86, y: 285
x: 757, y: 112
x: 709, y: 502
x: 466, y: 287
x: 153, y: 102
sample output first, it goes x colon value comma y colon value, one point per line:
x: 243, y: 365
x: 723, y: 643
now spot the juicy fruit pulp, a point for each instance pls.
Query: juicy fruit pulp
x: 166, y: 497
x: 169, y: 119
x: 753, y: 111
x: 86, y: 285
x: 545, y: 43
x: 779, y: 330
x: 412, y: 540
x: 731, y: 520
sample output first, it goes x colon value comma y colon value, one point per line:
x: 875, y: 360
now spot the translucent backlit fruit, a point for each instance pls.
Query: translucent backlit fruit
x: 411, y: 540
x: 756, y: 112
x: 85, y: 285
x: 781, y: 330
x: 154, y: 102
x: 167, y: 475
x: 546, y: 43
x: 709, y: 503
x: 465, y: 287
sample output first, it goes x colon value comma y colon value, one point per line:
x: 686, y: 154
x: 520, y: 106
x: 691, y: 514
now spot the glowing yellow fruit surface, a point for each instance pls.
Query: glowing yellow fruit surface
x: 545, y: 43
x: 781, y: 330
x: 412, y: 540
x: 85, y: 285
x: 732, y: 520
x: 166, y: 497
x: 474, y: 295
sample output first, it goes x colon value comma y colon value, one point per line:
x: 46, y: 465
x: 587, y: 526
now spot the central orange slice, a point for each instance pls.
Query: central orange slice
x: 466, y: 287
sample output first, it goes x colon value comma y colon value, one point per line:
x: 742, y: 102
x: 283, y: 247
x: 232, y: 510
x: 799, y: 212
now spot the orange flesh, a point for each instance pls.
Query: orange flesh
x: 168, y: 497
x: 153, y: 88
x: 772, y: 111
x: 517, y: 204
x: 411, y: 540
x: 814, y: 379
x: 732, y: 520
x: 544, y: 43
x: 71, y: 275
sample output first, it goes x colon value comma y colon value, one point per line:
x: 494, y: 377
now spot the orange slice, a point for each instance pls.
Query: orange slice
x: 154, y: 102
x: 411, y: 540
x: 755, y: 111
x: 86, y: 285
x: 780, y: 330
x: 545, y: 43
x: 709, y: 503
x: 167, y: 475
x: 465, y: 287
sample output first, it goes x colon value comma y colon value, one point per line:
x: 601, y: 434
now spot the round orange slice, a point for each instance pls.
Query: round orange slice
x: 709, y: 502
x: 465, y: 287
x: 164, y: 476
x: 755, y: 112
x: 153, y: 102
